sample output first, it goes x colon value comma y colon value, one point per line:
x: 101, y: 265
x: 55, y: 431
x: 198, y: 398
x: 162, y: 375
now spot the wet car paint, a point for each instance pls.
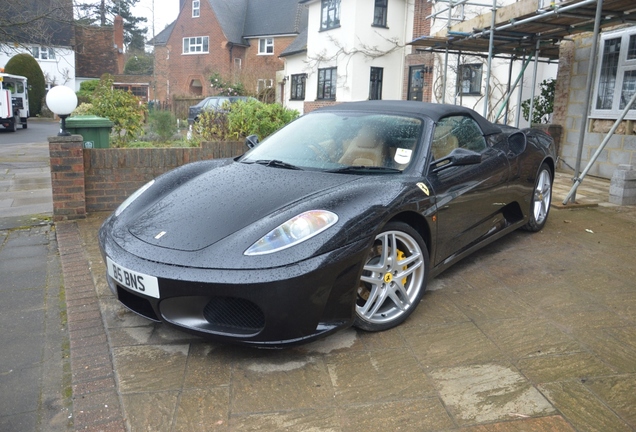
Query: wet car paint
x: 309, y: 291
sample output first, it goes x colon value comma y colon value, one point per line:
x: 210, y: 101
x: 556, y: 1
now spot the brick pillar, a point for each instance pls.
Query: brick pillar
x: 67, y: 177
x: 562, y: 88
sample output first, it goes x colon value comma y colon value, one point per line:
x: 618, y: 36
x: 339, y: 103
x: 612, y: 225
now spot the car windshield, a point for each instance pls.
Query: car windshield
x: 344, y: 142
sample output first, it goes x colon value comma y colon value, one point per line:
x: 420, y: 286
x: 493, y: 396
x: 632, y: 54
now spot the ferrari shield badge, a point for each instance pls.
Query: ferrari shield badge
x: 424, y: 188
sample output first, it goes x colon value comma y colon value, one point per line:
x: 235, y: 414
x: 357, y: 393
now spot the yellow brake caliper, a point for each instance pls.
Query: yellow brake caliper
x: 400, y: 257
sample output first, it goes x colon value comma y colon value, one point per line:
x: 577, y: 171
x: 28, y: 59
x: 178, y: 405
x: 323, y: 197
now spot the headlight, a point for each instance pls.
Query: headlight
x: 296, y: 230
x: 133, y: 197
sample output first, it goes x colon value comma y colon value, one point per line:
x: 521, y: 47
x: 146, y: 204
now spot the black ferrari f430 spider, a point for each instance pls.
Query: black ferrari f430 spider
x: 338, y: 219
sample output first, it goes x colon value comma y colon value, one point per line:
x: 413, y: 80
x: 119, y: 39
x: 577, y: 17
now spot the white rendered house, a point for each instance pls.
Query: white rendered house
x: 57, y: 63
x: 354, y: 50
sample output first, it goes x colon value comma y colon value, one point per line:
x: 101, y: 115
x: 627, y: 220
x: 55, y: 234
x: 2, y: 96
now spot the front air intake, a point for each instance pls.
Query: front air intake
x: 234, y: 314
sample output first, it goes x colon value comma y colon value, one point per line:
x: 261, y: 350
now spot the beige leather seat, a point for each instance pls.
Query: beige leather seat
x: 443, y: 146
x: 365, y: 149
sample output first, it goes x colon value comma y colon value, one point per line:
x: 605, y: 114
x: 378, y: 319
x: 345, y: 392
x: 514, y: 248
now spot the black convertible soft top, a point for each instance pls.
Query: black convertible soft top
x: 431, y: 110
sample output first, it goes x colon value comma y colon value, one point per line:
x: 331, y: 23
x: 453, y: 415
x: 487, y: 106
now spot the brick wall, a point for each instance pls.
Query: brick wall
x: 177, y: 70
x: 263, y: 66
x: 421, y: 25
x: 94, y: 53
x: 67, y: 177
x: 312, y: 105
x: 92, y: 180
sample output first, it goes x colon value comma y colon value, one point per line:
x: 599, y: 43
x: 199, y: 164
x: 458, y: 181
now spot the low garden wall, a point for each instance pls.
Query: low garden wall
x: 94, y: 180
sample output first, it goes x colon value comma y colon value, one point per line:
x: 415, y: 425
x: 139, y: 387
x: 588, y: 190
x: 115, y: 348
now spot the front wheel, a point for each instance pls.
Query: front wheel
x: 541, y: 199
x: 393, y: 278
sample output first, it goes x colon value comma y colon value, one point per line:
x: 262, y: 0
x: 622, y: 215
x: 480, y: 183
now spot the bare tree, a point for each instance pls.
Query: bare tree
x: 43, y: 22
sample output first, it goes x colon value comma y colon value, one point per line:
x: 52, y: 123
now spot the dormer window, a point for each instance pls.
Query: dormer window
x: 266, y: 46
x: 196, y: 8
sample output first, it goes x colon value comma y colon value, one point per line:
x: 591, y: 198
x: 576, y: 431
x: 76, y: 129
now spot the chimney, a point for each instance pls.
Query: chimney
x: 118, y: 36
x: 421, y: 25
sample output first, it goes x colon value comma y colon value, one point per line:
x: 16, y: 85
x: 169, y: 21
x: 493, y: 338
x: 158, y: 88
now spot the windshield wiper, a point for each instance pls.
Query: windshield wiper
x: 276, y: 164
x: 368, y: 169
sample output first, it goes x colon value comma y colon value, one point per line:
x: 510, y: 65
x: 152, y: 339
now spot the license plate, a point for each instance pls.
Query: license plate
x: 139, y: 282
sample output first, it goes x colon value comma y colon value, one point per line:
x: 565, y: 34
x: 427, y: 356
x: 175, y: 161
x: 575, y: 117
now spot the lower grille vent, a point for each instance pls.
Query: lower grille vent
x: 235, y: 314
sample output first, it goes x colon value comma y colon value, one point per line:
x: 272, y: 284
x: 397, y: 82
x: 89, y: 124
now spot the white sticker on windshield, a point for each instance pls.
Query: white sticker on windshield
x: 403, y: 156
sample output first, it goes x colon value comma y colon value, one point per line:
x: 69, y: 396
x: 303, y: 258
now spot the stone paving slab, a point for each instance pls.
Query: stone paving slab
x: 536, y: 332
x: 34, y: 369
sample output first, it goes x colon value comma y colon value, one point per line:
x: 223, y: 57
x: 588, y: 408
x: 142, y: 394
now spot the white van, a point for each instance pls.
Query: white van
x: 14, y: 101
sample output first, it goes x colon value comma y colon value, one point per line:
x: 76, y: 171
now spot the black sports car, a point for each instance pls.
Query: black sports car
x: 338, y: 219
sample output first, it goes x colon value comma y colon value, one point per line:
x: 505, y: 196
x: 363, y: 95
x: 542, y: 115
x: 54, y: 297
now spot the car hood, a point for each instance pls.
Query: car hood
x: 224, y: 200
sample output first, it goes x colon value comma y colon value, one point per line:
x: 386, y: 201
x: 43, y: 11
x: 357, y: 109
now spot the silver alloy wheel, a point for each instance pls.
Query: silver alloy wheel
x: 542, y: 196
x: 392, y: 278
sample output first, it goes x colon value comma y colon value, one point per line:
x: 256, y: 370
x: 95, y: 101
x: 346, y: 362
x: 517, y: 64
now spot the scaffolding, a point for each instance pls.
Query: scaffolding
x: 526, y: 30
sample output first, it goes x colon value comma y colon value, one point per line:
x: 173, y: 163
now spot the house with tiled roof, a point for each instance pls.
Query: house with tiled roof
x: 357, y: 50
x: 45, y: 31
x: 240, y: 40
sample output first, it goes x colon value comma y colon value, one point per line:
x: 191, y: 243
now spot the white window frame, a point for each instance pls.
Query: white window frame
x: 43, y: 53
x: 196, y: 45
x: 624, y: 65
x: 266, y: 46
x: 263, y: 84
x: 196, y: 8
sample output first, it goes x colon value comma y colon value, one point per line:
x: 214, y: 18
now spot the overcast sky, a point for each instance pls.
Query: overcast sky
x: 165, y: 11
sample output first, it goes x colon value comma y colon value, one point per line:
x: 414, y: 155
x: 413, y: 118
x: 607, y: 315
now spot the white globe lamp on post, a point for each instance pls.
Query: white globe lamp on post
x: 62, y: 101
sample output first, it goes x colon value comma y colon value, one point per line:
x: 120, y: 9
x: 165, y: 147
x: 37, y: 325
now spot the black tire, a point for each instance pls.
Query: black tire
x: 541, y: 200
x: 393, y: 279
x: 13, y: 126
x: 24, y: 124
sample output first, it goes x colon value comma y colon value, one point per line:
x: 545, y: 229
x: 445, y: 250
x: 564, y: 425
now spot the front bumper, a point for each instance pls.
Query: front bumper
x: 267, y: 307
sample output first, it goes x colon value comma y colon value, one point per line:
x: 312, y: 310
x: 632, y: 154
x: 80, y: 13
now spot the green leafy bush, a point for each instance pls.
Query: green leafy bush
x: 543, y: 104
x: 83, y: 109
x: 120, y: 107
x: 242, y: 119
x: 85, y: 93
x: 212, y: 126
x: 163, y: 123
x: 26, y: 66
x: 254, y: 117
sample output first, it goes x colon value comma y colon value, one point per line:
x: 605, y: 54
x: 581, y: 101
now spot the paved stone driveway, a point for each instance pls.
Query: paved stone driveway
x: 537, y: 332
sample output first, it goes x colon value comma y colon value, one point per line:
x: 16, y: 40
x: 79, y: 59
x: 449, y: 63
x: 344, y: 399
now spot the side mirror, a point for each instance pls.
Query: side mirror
x: 517, y: 143
x: 458, y: 157
x: 251, y: 141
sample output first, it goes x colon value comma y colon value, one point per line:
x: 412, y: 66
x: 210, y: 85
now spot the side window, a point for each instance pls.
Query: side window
x: 456, y: 132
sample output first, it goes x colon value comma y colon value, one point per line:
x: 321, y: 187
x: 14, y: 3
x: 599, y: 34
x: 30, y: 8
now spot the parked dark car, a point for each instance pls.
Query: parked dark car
x: 338, y: 219
x: 211, y: 103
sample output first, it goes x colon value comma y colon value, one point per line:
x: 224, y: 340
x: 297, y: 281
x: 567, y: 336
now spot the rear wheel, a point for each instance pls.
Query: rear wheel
x: 393, y: 279
x: 541, y: 199
x: 24, y: 123
x: 13, y: 126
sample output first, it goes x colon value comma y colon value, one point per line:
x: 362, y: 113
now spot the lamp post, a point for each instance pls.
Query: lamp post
x: 62, y: 101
